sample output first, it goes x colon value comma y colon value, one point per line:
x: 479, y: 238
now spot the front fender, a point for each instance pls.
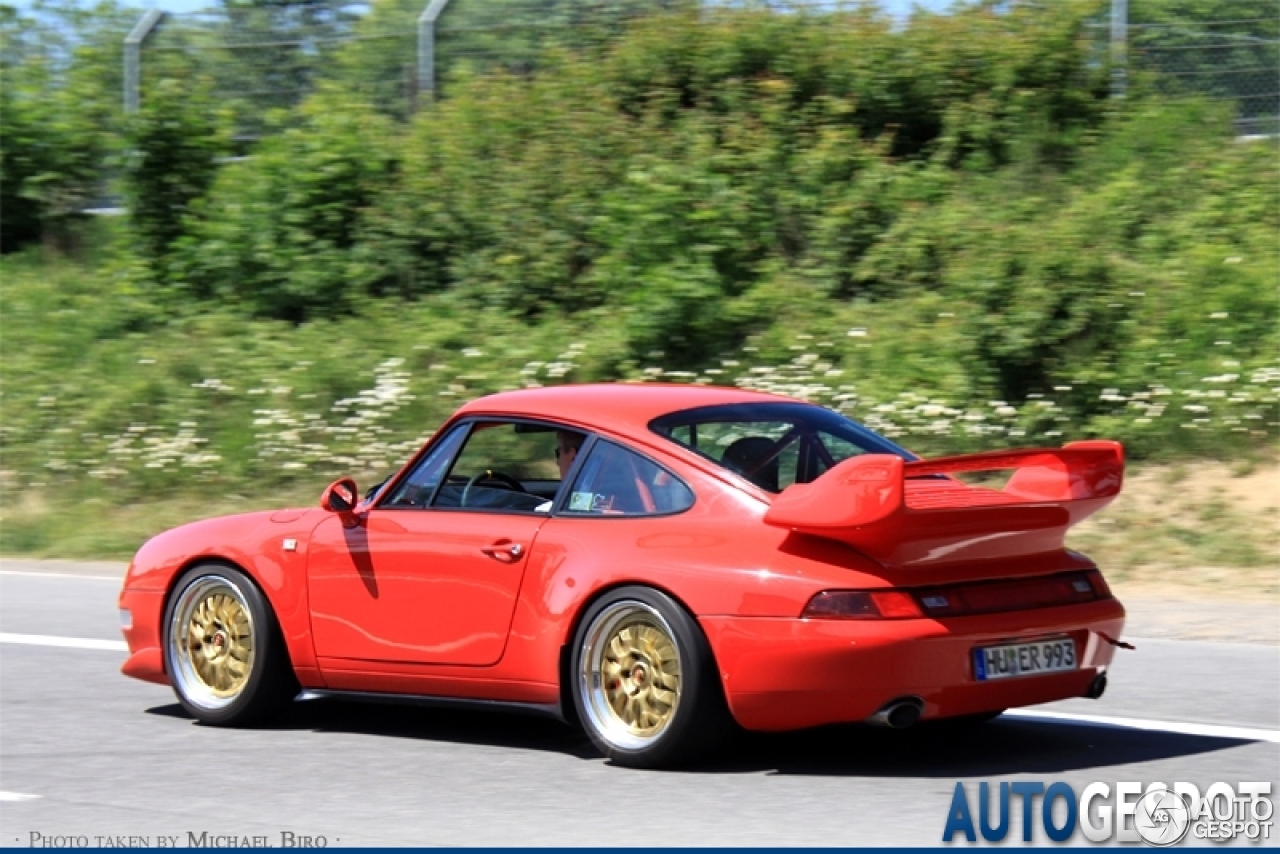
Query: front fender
x: 270, y: 547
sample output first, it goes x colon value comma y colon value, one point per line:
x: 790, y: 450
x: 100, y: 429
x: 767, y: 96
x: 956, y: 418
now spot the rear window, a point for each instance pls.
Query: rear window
x: 773, y: 445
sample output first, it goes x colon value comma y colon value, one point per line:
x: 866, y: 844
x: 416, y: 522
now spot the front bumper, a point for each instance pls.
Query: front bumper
x: 782, y: 674
x: 146, y: 660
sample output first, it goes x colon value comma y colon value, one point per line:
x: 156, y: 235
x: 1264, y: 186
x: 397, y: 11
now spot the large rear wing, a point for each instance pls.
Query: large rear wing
x: 911, y: 513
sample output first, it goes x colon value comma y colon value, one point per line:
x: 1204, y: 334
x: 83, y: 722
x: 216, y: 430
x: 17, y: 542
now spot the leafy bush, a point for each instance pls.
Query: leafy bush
x: 175, y: 140
x: 944, y: 231
x: 60, y: 122
x: 276, y: 233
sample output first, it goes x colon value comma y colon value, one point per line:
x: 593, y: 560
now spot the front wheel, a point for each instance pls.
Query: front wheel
x: 223, y: 650
x: 645, y: 683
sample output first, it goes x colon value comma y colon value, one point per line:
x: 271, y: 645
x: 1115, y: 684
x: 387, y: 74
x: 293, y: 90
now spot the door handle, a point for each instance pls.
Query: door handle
x: 504, y: 551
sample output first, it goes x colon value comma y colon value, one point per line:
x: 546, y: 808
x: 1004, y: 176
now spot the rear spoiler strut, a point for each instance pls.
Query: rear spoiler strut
x: 913, y: 512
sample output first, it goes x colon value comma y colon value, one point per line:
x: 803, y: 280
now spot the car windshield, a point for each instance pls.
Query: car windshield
x: 773, y: 445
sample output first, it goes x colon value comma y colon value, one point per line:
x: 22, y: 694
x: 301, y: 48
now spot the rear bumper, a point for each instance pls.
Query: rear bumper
x: 781, y: 674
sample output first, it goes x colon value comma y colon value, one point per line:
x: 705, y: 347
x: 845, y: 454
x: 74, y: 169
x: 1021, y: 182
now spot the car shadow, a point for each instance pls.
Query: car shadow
x: 423, y: 721
x: 998, y: 748
x: 929, y: 750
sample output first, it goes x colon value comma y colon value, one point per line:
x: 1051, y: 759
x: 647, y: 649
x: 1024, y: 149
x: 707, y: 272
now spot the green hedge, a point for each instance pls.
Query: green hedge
x: 947, y: 231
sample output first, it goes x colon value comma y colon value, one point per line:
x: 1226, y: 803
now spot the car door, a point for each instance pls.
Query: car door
x: 431, y: 574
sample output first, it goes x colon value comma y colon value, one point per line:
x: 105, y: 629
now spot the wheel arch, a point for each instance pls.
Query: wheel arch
x: 565, y: 665
x: 218, y: 560
x: 267, y: 680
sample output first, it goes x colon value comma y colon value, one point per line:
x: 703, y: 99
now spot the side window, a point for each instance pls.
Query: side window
x: 615, y: 481
x: 415, y: 490
x: 507, y: 466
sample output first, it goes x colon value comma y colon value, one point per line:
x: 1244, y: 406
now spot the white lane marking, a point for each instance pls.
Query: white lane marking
x: 1209, y: 730
x: 1260, y: 644
x: 17, y: 796
x: 115, y: 578
x: 75, y: 643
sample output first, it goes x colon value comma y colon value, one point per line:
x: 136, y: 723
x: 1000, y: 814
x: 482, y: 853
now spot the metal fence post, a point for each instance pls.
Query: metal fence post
x: 1119, y: 47
x: 427, y: 48
x: 133, y: 58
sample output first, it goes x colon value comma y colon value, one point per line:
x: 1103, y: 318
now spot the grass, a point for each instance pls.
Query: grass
x: 1192, y: 529
x: 48, y: 526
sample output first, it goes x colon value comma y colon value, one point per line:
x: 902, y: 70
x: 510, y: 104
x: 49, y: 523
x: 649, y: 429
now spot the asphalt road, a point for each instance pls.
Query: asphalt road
x: 87, y: 752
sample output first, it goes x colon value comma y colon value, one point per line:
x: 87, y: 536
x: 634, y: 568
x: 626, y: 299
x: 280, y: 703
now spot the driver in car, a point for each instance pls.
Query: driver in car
x: 568, y: 443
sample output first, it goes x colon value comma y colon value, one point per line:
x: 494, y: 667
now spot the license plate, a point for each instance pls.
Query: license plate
x: 1024, y: 659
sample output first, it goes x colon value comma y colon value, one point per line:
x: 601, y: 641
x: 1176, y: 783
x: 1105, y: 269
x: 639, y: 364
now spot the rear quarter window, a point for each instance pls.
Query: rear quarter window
x: 616, y: 481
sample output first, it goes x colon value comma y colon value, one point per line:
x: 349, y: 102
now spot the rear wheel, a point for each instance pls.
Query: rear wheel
x: 223, y: 650
x: 645, y: 683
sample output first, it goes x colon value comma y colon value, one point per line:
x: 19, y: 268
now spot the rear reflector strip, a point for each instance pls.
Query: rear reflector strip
x: 989, y: 597
x: 960, y: 600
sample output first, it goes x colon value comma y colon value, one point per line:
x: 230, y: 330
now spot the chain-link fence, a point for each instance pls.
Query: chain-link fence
x: 479, y: 35
x: 267, y: 57
x: 1236, y: 61
x: 260, y: 59
x: 263, y: 57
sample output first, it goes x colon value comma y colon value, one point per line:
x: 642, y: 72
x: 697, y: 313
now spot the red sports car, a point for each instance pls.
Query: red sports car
x: 655, y: 563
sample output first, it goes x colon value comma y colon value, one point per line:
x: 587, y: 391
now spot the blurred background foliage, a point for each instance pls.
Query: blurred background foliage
x: 946, y: 229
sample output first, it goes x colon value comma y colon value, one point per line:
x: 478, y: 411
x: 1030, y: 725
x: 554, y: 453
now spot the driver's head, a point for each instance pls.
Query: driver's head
x: 567, y: 445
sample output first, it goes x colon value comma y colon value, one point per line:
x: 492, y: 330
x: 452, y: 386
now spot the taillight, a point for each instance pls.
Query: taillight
x: 862, y: 605
x: 843, y: 604
x: 896, y: 604
x: 1099, y: 584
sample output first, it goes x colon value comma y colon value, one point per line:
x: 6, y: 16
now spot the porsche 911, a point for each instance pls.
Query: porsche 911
x: 657, y: 564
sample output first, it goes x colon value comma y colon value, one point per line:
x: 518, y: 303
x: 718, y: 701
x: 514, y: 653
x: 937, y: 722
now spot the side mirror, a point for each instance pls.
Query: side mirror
x: 341, y: 496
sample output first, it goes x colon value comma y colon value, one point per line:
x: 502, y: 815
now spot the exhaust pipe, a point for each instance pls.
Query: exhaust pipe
x: 898, y: 714
x: 1097, y: 686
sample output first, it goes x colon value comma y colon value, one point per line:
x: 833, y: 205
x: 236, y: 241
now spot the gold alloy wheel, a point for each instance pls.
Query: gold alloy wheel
x: 631, y: 673
x: 211, y: 641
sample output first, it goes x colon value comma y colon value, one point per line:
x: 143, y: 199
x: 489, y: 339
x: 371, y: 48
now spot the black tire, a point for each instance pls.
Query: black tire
x: 223, y: 649
x: 644, y: 682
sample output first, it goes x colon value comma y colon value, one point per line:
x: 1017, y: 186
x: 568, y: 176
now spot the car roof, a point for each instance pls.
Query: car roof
x: 624, y: 408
